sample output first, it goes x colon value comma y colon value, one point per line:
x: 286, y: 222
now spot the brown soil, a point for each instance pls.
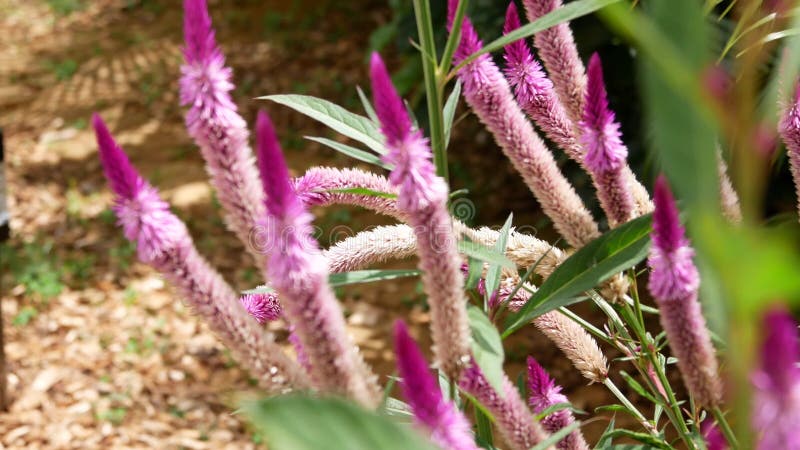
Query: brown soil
x: 115, y: 360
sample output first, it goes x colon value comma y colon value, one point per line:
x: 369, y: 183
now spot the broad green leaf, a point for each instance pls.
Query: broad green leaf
x: 362, y: 191
x: 351, y: 151
x: 483, y: 253
x: 449, y: 111
x: 296, y: 422
x: 334, y: 116
x: 556, y: 437
x: 611, y: 253
x: 487, y: 348
x: 397, y: 408
x: 494, y: 271
x: 568, y: 12
x: 368, y: 276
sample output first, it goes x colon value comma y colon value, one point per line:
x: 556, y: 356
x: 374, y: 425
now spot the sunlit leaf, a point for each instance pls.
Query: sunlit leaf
x: 368, y: 276
x: 355, y: 153
x: 487, y: 348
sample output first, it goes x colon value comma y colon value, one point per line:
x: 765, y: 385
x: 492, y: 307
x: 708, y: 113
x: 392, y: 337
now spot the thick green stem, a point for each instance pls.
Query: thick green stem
x: 730, y: 436
x: 434, y: 94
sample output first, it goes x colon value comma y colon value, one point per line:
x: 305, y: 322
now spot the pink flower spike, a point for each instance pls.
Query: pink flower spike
x: 280, y: 195
x: 600, y: 133
x: 448, y: 427
x: 776, y: 402
x: 789, y: 129
x: 121, y: 175
x: 543, y: 393
x: 395, y: 123
x: 264, y: 307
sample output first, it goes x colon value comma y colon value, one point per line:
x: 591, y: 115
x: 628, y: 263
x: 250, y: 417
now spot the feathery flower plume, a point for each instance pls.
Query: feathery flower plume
x: 264, y: 307
x: 560, y: 56
x: 789, y: 129
x: 576, y: 344
x: 729, y: 199
x: 605, y: 152
x: 423, y: 197
x: 299, y: 273
x: 371, y: 247
x: 315, y: 185
x: 448, y: 427
x: 219, y: 131
x: 776, y: 413
x: 513, y: 419
x: 163, y: 242
x: 536, y: 96
x: 490, y: 97
x: 544, y: 393
x: 673, y: 282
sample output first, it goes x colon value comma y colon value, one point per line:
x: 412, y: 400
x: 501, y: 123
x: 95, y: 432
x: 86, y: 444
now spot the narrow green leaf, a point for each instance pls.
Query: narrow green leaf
x: 474, y: 274
x: 556, y: 437
x: 494, y: 270
x: 611, y: 253
x: 780, y: 86
x: 399, y: 409
x: 368, y: 276
x: 556, y: 408
x: 487, y: 348
x: 362, y: 191
x: 355, y: 153
x: 483, y: 427
x: 449, y: 112
x: 483, y: 253
x: 651, y: 441
x: 638, y: 387
x: 296, y: 422
x: 334, y: 116
x: 259, y: 290
x: 568, y: 12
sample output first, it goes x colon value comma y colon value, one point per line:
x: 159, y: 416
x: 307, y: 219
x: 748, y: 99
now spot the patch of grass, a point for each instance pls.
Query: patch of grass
x: 24, y: 316
x: 65, y: 7
x: 80, y: 269
x: 114, y: 415
x: 130, y: 296
x: 64, y: 69
x: 35, y: 267
x: 122, y: 255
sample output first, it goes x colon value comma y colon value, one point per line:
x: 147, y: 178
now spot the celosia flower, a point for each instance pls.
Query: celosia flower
x: 163, y: 242
x: 264, y: 307
x: 315, y: 185
x: 673, y: 282
x: 560, y: 56
x: 776, y: 402
x: 371, y: 247
x: 423, y: 198
x: 714, y: 438
x: 544, y: 393
x: 299, y: 273
x: 605, y: 152
x: 448, y: 427
x: 790, y: 131
x: 217, y: 128
x: 729, y: 199
x: 513, y: 419
x: 490, y: 97
x: 534, y: 91
x: 576, y: 344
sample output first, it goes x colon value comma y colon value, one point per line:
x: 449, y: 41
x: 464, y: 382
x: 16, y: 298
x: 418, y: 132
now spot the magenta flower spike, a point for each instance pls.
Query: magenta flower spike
x: 776, y: 401
x: 315, y: 186
x: 448, y: 427
x: 217, y: 128
x: 673, y: 282
x: 544, y: 393
x: 422, y: 198
x: 490, y: 97
x: 299, y: 273
x: 714, y: 438
x: 264, y: 307
x: 513, y: 419
x: 163, y: 242
x: 535, y: 93
x: 789, y: 129
x: 605, y: 153
x: 560, y: 56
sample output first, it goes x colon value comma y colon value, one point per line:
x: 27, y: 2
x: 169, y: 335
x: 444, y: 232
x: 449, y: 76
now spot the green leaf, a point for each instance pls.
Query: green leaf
x: 296, y: 422
x: 568, y: 12
x: 494, y: 270
x: 556, y: 437
x: 449, y: 112
x: 779, y: 88
x: 367, y: 105
x: 397, y: 408
x: 638, y: 387
x: 556, y: 408
x: 483, y: 427
x: 334, y: 116
x: 368, y: 276
x: 362, y: 191
x: 611, y: 253
x: 651, y: 441
x: 355, y: 153
x: 484, y: 253
x: 487, y: 348
x: 474, y: 273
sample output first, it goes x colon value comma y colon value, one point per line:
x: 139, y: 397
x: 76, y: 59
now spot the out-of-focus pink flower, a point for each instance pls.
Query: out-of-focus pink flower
x: 544, y: 393
x: 776, y: 402
x: 299, y: 273
x: 264, y: 307
x: 673, y: 282
x: 422, y: 198
x: 448, y: 427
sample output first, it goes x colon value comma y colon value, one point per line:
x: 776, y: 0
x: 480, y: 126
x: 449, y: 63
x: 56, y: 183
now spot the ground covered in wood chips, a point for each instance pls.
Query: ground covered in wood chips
x: 102, y: 354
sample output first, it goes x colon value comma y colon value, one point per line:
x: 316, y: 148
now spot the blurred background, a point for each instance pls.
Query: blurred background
x: 100, y: 352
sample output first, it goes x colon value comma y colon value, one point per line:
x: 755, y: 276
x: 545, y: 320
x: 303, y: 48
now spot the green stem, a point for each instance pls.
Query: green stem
x: 627, y: 403
x: 452, y: 43
x: 730, y: 436
x: 434, y: 94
